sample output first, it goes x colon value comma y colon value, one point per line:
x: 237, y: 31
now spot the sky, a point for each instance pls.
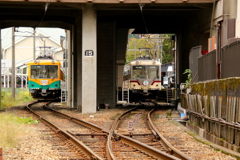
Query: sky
x: 6, y: 34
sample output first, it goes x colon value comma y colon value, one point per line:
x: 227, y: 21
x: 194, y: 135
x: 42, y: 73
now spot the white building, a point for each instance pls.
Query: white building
x: 24, y: 53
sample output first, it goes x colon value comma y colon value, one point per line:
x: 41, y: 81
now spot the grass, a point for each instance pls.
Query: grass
x: 155, y: 116
x: 13, y: 128
x: 169, y: 115
x: 143, y: 116
x: 115, y: 116
x: 22, y: 96
x: 128, y: 116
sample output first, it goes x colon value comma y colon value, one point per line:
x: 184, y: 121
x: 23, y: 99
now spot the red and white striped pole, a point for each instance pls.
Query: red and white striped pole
x: 0, y: 153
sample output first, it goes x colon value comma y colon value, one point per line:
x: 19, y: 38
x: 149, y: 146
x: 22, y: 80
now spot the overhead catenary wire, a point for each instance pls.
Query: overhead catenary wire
x: 45, y: 11
x: 141, y: 9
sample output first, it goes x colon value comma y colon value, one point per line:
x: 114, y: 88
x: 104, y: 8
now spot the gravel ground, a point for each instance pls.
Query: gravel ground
x: 34, y: 147
x: 187, y: 144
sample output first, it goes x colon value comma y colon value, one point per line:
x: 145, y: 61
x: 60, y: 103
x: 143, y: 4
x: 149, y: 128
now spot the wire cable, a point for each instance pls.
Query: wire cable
x: 45, y: 10
x: 141, y: 9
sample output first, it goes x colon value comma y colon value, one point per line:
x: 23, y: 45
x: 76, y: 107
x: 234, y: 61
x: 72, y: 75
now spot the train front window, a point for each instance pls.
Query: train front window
x: 145, y: 72
x: 152, y: 72
x: 44, y: 71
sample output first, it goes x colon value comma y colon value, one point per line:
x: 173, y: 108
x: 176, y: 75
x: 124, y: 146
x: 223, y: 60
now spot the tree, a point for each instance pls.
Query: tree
x: 136, y: 46
x: 168, y: 45
x: 133, y: 49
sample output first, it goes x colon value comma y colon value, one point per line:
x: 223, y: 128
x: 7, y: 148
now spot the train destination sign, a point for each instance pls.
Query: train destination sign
x: 89, y: 53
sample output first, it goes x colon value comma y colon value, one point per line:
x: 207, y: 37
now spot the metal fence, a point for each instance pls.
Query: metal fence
x: 207, y: 66
x: 193, y: 61
x: 212, y: 100
x: 230, y: 60
x: 230, y: 63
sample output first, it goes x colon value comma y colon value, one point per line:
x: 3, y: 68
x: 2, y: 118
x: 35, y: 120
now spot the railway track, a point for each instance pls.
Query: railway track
x: 82, y: 151
x: 137, y: 124
x: 93, y: 142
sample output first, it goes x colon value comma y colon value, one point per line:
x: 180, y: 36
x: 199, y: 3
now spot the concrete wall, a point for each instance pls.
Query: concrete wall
x: 106, y: 63
x: 238, y: 20
x: 188, y: 38
x: 228, y: 8
x: 224, y: 10
x: 204, y: 21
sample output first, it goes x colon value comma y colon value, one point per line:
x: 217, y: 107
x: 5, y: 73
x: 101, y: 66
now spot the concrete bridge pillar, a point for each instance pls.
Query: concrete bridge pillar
x: 89, y: 59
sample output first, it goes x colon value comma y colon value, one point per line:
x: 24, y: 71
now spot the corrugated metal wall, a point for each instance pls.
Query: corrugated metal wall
x: 231, y: 60
x: 230, y: 63
x: 121, y: 44
x: 193, y: 61
x: 105, y: 63
x: 207, y: 66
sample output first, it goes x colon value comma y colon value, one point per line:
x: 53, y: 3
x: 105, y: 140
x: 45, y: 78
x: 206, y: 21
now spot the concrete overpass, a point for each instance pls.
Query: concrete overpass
x: 101, y: 26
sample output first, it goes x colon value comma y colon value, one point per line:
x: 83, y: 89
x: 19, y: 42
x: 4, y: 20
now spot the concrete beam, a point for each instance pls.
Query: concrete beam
x: 116, y: 1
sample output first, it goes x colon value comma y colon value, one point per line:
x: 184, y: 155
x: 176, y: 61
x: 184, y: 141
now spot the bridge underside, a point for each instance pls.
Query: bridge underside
x: 189, y: 21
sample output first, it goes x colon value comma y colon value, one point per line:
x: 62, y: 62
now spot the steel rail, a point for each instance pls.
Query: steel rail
x: 147, y: 149
x: 118, y: 119
x: 113, y: 133
x: 136, y: 144
x: 87, y: 151
x: 109, y: 147
x: 173, y: 150
x: 79, y: 121
x: 109, y: 153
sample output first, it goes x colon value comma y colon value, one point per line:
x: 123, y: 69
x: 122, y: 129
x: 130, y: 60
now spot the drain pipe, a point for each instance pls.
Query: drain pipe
x: 182, y: 111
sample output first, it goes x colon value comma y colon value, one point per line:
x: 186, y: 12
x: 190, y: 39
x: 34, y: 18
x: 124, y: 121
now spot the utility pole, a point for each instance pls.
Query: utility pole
x: 158, y: 50
x: 13, y: 62
x: 66, y: 68
x: 34, y: 44
x: 44, y: 50
x: 175, y: 63
x: 135, y: 48
x: 0, y: 69
x: 161, y: 51
x: 69, y: 69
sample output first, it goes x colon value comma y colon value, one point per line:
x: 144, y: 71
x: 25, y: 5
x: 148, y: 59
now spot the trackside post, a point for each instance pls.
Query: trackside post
x: 0, y: 153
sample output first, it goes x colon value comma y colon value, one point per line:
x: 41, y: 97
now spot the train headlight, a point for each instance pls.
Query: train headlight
x: 145, y: 83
